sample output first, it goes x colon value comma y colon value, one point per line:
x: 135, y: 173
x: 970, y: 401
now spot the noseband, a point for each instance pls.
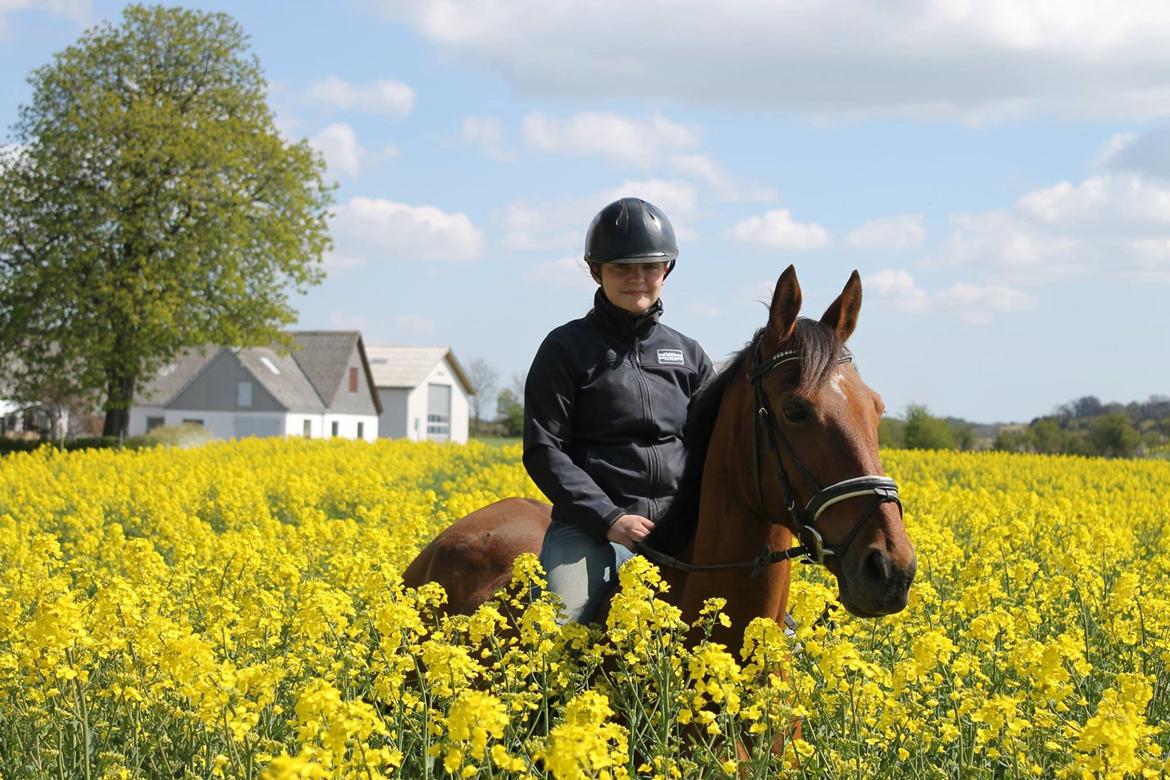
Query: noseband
x: 813, y: 548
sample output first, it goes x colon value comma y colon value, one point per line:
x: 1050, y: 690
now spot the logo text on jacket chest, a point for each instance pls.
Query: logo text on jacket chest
x: 671, y: 357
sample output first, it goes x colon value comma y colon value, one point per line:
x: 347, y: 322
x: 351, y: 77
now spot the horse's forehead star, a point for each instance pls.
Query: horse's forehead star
x: 837, y: 383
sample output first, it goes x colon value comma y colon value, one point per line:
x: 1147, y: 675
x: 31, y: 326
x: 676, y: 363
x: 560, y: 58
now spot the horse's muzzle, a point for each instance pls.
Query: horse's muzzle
x: 876, y: 584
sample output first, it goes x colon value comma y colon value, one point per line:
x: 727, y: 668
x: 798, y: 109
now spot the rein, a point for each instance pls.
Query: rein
x: 812, y: 547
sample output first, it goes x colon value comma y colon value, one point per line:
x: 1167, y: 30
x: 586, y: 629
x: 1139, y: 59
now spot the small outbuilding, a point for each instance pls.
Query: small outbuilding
x: 423, y: 392
x: 322, y: 390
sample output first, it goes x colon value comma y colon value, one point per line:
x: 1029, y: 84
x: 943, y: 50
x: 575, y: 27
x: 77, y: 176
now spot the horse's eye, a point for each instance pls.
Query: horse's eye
x: 795, y: 411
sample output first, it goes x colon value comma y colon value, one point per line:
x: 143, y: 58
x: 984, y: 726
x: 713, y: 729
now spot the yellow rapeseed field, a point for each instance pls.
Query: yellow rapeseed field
x: 235, y: 611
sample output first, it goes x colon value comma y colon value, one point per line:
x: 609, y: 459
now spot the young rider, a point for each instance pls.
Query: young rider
x: 604, y: 407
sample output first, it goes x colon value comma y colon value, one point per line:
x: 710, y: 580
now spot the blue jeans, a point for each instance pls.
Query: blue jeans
x: 580, y: 569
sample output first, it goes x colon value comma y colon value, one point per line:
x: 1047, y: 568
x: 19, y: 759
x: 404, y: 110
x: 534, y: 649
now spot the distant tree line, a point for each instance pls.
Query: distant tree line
x: 1081, y: 427
x: 1088, y: 427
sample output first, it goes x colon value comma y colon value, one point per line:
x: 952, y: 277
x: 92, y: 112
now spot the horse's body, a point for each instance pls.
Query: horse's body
x: 737, y: 498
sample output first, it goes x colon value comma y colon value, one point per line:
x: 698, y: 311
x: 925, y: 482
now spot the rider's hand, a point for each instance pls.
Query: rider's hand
x: 629, y: 529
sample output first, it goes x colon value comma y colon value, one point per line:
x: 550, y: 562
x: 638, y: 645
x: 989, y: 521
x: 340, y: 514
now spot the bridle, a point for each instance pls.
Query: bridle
x: 812, y: 548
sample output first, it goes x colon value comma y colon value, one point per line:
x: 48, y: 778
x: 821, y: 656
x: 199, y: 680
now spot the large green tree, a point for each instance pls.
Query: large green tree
x: 926, y: 432
x: 148, y: 204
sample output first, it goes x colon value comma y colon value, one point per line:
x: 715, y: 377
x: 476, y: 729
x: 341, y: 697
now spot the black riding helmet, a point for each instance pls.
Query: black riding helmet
x: 631, y: 230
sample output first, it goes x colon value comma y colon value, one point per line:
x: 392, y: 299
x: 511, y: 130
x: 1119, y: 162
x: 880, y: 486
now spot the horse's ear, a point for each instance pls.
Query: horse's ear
x: 842, y: 313
x: 785, y: 307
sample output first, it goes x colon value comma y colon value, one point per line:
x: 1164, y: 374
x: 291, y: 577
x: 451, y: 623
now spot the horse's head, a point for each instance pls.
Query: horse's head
x: 817, y: 441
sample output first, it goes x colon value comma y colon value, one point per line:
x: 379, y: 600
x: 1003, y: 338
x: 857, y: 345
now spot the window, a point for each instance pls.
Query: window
x: 353, y: 383
x: 334, y: 428
x: 270, y: 365
x: 361, y: 430
x: 154, y: 422
x: 308, y: 429
x: 192, y: 421
x: 244, y: 394
x: 438, y: 424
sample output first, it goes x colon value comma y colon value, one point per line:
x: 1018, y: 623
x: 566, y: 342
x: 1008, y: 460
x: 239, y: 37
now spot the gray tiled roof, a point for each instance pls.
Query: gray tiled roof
x: 324, y: 356
x: 175, y: 376
x: 307, y: 380
x: 290, y: 387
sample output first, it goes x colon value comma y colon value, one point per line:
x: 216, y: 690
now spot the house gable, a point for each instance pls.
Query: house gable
x: 216, y: 388
x: 329, y: 359
x: 410, y: 366
x: 361, y: 399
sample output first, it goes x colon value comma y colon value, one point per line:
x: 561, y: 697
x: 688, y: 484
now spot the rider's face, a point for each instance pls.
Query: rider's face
x: 634, y: 287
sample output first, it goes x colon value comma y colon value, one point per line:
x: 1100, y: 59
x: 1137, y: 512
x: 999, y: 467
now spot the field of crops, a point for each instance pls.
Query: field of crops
x: 234, y: 611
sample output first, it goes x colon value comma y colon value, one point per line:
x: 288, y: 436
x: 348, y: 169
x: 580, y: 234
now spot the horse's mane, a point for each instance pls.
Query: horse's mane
x: 818, y: 346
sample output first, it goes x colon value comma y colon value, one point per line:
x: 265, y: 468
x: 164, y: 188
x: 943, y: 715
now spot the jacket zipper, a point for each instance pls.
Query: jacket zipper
x: 652, y: 458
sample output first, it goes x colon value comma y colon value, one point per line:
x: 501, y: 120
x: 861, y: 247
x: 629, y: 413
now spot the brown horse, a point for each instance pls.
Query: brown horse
x: 782, y: 443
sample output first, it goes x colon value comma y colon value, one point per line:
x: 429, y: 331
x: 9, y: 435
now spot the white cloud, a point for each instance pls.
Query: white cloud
x: 726, y: 186
x: 386, y: 96
x: 646, y: 143
x: 373, y: 230
x: 977, y: 304
x: 1117, y: 224
x: 971, y: 303
x: 971, y: 61
x: 78, y: 11
x: 622, y: 139
x: 563, y: 272
x: 897, y: 284
x: 339, y: 144
x: 487, y: 132
x: 342, y: 151
x: 1146, y: 153
x: 1112, y: 202
x: 777, y: 230
x: 561, y: 224
x: 901, y: 231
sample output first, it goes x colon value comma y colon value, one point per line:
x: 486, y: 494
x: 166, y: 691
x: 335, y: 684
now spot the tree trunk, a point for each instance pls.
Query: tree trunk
x: 120, y: 396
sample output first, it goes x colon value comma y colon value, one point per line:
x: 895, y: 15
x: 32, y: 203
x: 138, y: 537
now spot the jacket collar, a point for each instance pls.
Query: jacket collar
x: 620, y: 322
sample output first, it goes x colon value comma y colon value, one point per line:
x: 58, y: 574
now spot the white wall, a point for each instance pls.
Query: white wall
x: 222, y: 424
x: 347, y: 426
x: 219, y: 423
x: 416, y: 405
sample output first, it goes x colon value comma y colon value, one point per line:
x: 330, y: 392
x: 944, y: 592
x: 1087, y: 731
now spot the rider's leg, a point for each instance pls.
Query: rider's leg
x: 580, y: 569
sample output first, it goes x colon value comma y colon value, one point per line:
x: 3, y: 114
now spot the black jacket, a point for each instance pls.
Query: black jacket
x: 604, y: 407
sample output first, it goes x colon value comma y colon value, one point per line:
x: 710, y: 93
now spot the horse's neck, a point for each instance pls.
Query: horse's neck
x: 731, y: 526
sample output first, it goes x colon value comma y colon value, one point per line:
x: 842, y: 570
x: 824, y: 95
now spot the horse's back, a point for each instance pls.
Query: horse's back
x: 472, y: 558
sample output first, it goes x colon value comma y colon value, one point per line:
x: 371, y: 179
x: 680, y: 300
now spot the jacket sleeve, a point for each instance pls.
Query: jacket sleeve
x: 549, y: 395
x: 706, y: 370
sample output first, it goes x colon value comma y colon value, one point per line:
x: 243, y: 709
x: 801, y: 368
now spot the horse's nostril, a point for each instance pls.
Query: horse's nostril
x: 877, y: 568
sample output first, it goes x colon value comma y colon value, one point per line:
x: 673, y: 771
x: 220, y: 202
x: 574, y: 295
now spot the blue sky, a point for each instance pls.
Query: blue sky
x: 998, y: 172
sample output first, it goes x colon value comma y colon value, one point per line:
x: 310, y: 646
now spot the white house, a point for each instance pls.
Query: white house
x: 423, y: 391
x: 322, y: 390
